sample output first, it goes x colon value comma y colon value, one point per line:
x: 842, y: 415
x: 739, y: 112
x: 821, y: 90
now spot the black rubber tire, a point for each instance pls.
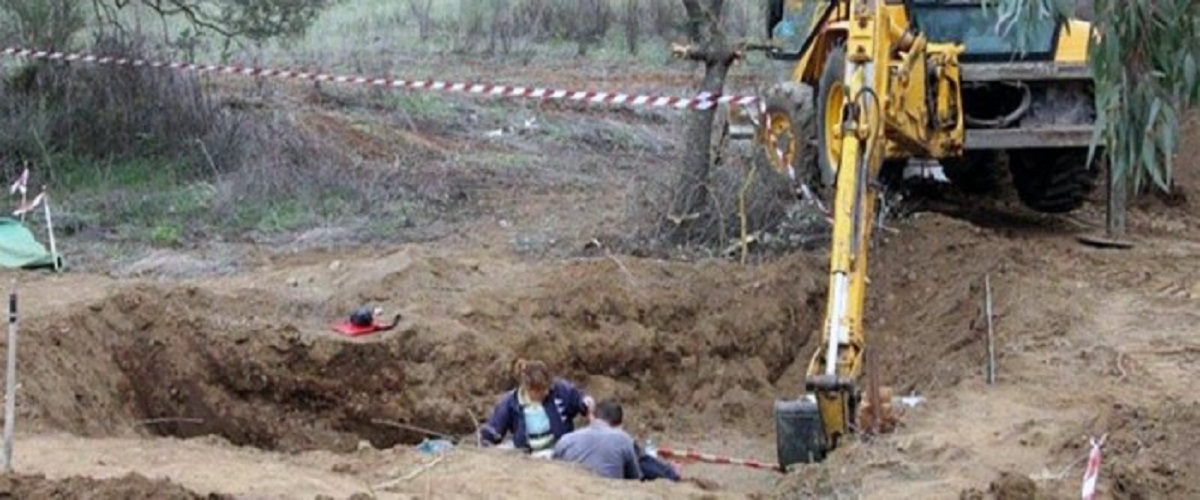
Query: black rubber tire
x: 975, y: 172
x: 1053, y: 180
x: 835, y: 69
x: 798, y: 109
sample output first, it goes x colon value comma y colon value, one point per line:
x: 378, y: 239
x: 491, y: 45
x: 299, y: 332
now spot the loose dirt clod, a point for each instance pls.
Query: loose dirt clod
x: 1012, y: 486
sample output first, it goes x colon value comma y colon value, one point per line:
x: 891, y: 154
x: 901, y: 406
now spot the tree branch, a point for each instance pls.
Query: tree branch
x: 690, y: 52
x: 693, y: 53
x: 192, y: 12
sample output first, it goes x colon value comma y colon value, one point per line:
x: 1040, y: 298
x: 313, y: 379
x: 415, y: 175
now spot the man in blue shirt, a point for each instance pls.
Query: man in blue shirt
x: 602, y: 446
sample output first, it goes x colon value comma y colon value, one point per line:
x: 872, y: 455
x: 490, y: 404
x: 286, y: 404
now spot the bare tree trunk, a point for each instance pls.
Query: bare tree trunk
x: 422, y: 13
x: 633, y: 28
x: 1118, y: 196
x: 710, y: 46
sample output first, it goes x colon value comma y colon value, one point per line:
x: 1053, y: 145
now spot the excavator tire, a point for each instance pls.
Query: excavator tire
x: 829, y: 88
x: 791, y: 102
x: 1052, y: 180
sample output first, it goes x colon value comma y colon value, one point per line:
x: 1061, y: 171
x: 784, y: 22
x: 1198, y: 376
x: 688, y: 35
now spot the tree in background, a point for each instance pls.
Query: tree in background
x: 56, y: 23
x: 74, y: 116
x: 1144, y: 59
x: 711, y: 44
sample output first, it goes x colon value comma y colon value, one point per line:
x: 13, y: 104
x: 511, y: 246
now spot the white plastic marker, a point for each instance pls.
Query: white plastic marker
x: 43, y: 199
x: 703, y: 100
x: 1092, y: 473
x: 20, y: 185
x: 50, y: 230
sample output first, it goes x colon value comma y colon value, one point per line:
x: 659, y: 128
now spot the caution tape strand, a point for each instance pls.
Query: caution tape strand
x: 1092, y: 473
x: 716, y: 459
x: 701, y: 101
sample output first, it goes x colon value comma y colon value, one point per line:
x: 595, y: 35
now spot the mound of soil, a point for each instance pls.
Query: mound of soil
x: 677, y: 343
x: 709, y: 340
x: 1008, y: 486
x: 131, y: 486
x: 928, y: 291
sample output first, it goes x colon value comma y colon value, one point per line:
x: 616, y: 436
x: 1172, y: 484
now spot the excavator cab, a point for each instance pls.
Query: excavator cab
x: 792, y: 24
x: 968, y: 23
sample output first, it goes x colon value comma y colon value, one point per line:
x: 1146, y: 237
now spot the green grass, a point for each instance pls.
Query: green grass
x: 154, y: 201
x: 419, y: 106
x: 167, y: 202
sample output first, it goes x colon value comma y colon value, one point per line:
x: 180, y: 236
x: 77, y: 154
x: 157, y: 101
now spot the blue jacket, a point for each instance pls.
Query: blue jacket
x: 563, y: 403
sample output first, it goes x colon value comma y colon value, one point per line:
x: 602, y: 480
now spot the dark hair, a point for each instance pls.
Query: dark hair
x: 532, y: 374
x: 610, y: 411
x: 362, y: 316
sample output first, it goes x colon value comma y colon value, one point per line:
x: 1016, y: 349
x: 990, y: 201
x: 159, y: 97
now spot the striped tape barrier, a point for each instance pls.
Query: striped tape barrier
x: 716, y: 459
x: 1092, y: 473
x: 701, y: 101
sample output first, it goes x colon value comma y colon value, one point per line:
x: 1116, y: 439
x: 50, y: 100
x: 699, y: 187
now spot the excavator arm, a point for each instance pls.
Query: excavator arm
x: 893, y: 91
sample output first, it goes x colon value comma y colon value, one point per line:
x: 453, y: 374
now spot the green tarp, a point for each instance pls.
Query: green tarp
x: 19, y: 249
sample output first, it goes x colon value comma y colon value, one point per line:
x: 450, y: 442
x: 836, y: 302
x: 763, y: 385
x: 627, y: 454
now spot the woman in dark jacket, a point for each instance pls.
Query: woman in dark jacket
x: 538, y: 412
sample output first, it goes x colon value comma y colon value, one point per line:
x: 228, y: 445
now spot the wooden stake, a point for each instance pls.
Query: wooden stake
x: 991, y: 343
x: 410, y: 475
x: 10, y: 385
x: 409, y: 427
x: 179, y: 420
x: 476, y: 424
x: 50, y: 231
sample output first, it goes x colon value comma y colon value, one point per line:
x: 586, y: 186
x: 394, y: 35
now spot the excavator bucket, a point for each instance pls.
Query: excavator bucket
x: 799, y: 432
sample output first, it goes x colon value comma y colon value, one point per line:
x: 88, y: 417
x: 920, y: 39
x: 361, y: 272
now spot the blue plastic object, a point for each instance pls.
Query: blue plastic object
x: 434, y: 446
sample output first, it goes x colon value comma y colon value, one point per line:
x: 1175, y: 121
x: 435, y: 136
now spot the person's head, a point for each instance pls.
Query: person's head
x: 610, y: 411
x: 534, y: 378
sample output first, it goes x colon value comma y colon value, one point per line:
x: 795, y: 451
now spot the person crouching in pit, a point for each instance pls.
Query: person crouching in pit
x: 539, y: 412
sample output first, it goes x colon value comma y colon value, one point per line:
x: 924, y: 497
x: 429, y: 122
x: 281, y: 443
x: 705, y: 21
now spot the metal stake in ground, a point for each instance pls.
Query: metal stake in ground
x: 991, y: 343
x: 10, y: 389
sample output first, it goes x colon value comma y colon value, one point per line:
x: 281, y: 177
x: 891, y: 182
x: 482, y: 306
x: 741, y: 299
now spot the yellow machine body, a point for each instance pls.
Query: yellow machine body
x: 879, y: 90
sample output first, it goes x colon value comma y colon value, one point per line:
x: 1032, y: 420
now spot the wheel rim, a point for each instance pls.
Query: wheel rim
x: 781, y: 144
x: 833, y: 121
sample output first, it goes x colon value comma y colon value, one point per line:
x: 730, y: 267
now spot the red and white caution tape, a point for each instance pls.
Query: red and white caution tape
x: 702, y: 101
x: 20, y: 183
x: 27, y: 207
x: 716, y: 459
x: 1092, y: 473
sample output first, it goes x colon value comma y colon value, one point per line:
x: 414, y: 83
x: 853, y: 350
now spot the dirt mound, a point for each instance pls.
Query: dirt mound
x: 676, y: 339
x: 926, y: 312
x: 130, y: 486
x: 1008, y: 486
x: 1149, y: 451
x: 678, y: 343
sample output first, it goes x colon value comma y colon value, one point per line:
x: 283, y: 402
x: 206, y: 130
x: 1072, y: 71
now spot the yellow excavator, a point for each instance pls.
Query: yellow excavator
x: 877, y: 86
